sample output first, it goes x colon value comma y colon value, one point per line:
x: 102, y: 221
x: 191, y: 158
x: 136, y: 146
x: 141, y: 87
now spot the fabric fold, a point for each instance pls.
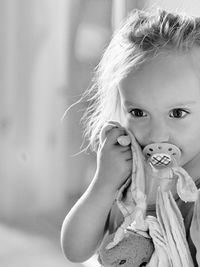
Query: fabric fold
x: 167, y: 229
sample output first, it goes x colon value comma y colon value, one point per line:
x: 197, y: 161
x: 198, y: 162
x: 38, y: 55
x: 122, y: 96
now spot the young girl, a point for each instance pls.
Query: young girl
x: 147, y: 83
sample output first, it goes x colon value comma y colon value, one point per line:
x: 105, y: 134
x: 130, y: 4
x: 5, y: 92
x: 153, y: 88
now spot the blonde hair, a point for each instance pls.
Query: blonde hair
x: 141, y: 37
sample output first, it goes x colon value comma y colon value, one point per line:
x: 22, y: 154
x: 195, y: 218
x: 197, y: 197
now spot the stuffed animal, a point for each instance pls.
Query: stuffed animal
x: 133, y: 250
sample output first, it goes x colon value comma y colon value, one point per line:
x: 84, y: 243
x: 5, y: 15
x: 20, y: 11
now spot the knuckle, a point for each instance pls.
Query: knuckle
x: 116, y: 132
x: 104, y: 132
x: 111, y: 131
x: 107, y: 132
x: 114, y: 123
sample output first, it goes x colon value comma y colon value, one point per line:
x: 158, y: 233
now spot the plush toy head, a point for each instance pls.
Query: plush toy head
x: 133, y: 250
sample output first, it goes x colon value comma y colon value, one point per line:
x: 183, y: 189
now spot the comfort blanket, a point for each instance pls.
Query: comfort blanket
x: 166, y: 229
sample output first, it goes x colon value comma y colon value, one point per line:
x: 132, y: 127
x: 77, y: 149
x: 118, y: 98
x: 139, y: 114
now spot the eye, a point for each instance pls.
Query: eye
x: 138, y: 113
x: 178, y: 113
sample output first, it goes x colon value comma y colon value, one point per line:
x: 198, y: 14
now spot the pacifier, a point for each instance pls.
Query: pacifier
x: 162, y: 155
x: 160, y: 158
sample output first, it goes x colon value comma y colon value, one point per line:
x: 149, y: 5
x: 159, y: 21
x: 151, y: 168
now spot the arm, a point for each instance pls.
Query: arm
x: 85, y: 225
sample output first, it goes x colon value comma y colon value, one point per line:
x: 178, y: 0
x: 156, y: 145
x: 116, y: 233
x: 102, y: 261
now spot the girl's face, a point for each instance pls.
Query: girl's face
x: 161, y: 103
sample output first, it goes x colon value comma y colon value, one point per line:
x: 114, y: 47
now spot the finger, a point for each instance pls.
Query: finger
x: 125, y: 148
x: 104, y: 131
x: 113, y: 135
x: 124, y: 140
x: 107, y: 128
x: 127, y: 155
x: 128, y: 158
x: 115, y: 123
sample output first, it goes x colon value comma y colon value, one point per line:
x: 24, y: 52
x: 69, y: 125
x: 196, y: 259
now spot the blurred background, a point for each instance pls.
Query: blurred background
x: 48, y: 51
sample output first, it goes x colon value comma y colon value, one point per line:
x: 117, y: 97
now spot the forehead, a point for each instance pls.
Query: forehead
x: 174, y: 74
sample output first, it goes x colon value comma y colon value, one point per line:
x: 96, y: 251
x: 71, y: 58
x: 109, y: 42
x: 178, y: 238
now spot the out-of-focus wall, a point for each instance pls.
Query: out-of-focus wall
x: 185, y: 6
x: 48, y: 51
x: 33, y: 70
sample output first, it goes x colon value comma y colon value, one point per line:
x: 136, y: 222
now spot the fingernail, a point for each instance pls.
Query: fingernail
x: 124, y: 140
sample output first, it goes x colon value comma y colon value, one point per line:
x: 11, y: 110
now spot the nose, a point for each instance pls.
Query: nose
x: 158, y: 132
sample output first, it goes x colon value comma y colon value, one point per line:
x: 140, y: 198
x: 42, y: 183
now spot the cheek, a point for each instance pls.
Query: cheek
x: 191, y: 141
x: 188, y: 139
x: 123, y: 119
x: 190, y: 133
x: 138, y: 131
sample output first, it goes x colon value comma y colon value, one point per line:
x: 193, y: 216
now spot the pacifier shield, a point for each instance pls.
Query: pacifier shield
x: 162, y: 155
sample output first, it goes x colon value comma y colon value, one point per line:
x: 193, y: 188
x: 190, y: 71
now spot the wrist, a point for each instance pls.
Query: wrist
x: 102, y: 187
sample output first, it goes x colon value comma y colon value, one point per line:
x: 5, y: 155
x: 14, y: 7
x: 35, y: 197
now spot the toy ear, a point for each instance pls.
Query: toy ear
x: 133, y: 250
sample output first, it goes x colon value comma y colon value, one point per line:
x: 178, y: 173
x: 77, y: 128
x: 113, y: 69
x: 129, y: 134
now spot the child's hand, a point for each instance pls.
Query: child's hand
x: 195, y: 227
x: 114, y: 161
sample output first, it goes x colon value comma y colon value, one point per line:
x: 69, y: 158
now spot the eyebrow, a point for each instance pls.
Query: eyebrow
x: 129, y: 103
x: 185, y: 103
